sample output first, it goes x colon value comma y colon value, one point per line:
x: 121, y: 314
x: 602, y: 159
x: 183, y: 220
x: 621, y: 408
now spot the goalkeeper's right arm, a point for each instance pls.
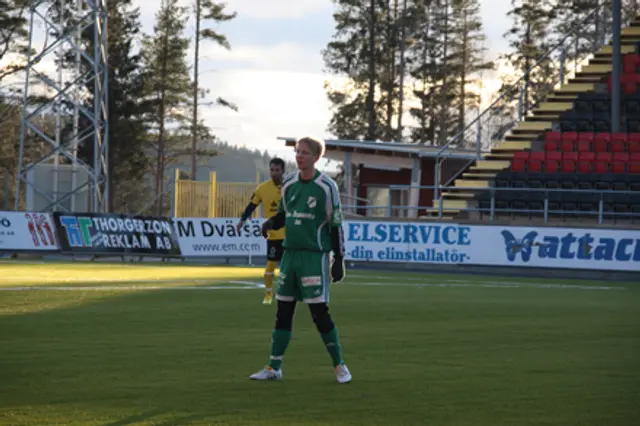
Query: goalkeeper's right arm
x: 273, y: 223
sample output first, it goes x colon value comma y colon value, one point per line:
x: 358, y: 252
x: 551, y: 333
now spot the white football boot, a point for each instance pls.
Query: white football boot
x: 342, y: 374
x: 267, y: 373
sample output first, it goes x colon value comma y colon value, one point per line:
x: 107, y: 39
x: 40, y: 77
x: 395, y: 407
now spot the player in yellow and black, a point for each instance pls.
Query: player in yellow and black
x: 268, y: 193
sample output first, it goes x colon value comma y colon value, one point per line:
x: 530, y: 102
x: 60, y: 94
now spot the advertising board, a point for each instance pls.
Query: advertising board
x: 27, y: 231
x: 116, y: 234
x: 218, y: 237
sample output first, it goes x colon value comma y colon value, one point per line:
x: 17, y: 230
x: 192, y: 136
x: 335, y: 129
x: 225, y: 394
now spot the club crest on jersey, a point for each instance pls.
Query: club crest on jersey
x: 311, y: 202
x: 337, y: 217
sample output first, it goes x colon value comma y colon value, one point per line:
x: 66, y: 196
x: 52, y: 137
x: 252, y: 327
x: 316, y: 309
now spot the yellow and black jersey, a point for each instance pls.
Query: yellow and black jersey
x: 268, y: 193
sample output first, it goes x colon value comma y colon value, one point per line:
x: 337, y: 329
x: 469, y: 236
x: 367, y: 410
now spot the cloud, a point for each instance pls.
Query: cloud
x: 272, y: 104
x: 277, y: 9
x: 250, y: 9
x: 283, y: 56
x: 495, y: 24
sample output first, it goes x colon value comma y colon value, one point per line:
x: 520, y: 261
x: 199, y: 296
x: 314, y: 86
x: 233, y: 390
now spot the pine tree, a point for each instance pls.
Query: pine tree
x: 13, y: 50
x: 356, y: 52
x: 630, y: 11
x: 372, y: 56
x: 128, y: 161
x: 467, y: 57
x: 389, y: 86
x: 403, y: 23
x: 530, y: 38
x: 447, y: 90
x: 214, y: 12
x: 432, y: 66
x: 168, y: 90
x: 13, y: 35
x: 579, y: 36
x: 422, y: 67
x: 13, y: 41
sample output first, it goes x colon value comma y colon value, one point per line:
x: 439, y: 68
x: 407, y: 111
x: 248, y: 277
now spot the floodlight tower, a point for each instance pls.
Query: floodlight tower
x: 59, y: 180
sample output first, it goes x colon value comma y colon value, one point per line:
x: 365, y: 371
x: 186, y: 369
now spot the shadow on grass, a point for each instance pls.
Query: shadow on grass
x: 131, y: 420
x: 188, y: 283
x: 175, y: 350
x: 437, y: 357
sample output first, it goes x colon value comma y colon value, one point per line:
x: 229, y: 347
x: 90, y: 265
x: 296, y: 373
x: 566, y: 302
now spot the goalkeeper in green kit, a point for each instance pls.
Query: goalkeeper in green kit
x: 311, y: 212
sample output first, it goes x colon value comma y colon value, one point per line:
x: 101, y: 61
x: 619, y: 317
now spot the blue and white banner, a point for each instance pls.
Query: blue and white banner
x: 543, y: 247
x: 407, y: 242
x: 538, y: 247
x: 436, y: 243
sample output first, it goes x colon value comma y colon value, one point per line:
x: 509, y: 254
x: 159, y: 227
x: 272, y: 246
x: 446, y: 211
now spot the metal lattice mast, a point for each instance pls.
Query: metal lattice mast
x: 83, y: 78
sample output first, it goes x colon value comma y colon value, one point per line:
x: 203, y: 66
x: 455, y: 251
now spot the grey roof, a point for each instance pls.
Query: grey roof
x: 412, y: 149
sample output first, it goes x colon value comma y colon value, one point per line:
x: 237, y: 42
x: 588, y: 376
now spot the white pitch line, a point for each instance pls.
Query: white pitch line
x: 244, y: 285
x: 489, y: 285
x: 249, y: 285
x: 143, y: 281
x: 477, y: 282
x: 124, y: 288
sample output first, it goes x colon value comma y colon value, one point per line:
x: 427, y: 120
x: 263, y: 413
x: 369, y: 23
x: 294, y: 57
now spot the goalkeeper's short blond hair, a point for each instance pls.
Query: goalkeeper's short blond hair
x: 316, y: 145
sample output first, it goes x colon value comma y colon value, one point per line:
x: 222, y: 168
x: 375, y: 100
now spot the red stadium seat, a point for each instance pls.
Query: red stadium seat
x: 568, y: 146
x: 584, y: 146
x: 553, y: 136
x: 519, y: 160
x: 633, y: 142
x: 586, y: 136
x: 619, y: 162
x: 553, y: 156
x: 601, y: 142
x: 603, y: 160
x: 634, y: 163
x: 585, y: 162
x: 618, y: 142
x: 630, y: 63
x: 628, y: 83
x: 633, y: 137
x: 569, y: 160
x: 630, y: 88
x: 569, y: 141
x: 552, y: 162
x: 535, y: 161
x: 551, y: 146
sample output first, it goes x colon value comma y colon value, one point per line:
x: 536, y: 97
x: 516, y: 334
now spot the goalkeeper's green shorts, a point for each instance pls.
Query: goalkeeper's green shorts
x: 304, y: 277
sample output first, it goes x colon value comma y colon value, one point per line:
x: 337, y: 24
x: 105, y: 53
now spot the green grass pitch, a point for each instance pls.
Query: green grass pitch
x: 123, y: 344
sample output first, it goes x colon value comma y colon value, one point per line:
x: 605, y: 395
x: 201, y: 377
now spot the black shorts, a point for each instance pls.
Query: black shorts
x: 274, y: 250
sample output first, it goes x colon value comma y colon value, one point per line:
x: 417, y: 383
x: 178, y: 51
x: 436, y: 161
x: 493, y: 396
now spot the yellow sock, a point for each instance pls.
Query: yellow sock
x: 268, y: 275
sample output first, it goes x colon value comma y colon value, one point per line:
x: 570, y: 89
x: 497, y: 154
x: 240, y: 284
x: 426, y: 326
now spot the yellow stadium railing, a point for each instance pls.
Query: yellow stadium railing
x: 213, y: 198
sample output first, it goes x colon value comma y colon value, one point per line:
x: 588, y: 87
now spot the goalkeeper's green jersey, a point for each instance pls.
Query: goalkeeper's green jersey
x: 311, y: 208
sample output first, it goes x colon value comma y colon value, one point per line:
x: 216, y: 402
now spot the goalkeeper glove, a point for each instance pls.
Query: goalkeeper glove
x: 337, y: 269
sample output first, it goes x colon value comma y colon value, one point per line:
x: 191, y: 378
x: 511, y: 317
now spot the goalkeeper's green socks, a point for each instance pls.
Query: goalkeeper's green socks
x: 332, y: 343
x: 279, y: 341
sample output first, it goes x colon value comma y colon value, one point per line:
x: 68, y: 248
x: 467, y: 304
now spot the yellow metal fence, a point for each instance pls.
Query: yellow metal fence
x: 213, y: 198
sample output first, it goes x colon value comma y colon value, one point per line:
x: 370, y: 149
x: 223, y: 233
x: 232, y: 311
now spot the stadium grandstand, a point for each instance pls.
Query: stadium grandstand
x: 566, y: 160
